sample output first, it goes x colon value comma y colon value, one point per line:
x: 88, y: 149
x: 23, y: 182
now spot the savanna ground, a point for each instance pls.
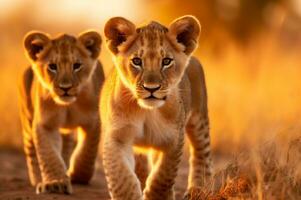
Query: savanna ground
x: 250, y: 51
x: 14, y: 183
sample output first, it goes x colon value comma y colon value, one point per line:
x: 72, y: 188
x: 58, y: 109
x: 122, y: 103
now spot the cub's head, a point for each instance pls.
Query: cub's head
x: 63, y: 64
x: 151, y: 59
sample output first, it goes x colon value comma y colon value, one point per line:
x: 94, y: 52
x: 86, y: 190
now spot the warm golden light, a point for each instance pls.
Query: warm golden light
x: 250, y: 51
x: 253, y: 83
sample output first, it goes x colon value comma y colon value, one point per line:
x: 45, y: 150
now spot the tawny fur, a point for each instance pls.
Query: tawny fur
x: 131, y: 117
x: 61, y: 101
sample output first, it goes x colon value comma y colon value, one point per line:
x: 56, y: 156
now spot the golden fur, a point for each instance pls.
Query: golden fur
x: 59, y: 93
x: 153, y: 95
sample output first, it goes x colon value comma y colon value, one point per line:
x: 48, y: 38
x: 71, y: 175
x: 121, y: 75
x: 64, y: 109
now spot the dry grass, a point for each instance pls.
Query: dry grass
x: 253, y: 92
x: 272, y: 172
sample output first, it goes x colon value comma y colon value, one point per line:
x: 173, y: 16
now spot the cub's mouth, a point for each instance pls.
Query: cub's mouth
x: 151, y: 102
x: 67, y: 95
x: 65, y: 99
x: 152, y: 97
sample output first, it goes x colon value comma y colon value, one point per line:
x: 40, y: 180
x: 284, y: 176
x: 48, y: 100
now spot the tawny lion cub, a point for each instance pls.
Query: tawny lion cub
x: 154, y: 94
x: 59, y: 92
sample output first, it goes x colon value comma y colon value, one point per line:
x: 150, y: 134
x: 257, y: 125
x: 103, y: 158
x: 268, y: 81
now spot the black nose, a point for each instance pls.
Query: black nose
x: 151, y: 88
x: 65, y: 89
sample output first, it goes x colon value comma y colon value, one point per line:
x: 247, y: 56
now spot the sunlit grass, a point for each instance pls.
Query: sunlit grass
x: 253, y: 92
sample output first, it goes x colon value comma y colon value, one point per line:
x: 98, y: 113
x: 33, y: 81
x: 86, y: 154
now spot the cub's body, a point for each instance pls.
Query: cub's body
x: 155, y: 94
x: 59, y: 96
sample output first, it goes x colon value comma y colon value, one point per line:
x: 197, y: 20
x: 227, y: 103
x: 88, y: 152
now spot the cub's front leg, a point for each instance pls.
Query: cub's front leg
x: 119, y: 164
x: 83, y: 158
x: 47, y: 142
x: 160, y: 183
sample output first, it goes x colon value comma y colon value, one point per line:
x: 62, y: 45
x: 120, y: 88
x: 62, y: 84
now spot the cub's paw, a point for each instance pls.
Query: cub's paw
x: 79, y: 178
x: 194, y: 193
x: 187, y: 196
x: 62, y: 186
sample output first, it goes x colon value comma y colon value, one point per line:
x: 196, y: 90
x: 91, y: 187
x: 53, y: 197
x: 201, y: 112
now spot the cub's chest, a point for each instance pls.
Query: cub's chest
x: 76, y: 115
x: 156, y: 131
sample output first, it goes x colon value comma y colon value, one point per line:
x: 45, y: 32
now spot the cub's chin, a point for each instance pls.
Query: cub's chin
x: 151, y: 103
x: 64, y: 100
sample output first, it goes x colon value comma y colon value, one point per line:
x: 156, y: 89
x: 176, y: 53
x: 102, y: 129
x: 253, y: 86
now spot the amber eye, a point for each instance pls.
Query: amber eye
x: 137, y: 61
x: 52, y: 67
x: 77, y: 66
x: 166, y: 62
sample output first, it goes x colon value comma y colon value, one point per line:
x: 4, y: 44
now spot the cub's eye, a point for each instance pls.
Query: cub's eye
x: 77, y: 66
x: 166, y: 62
x: 52, y: 67
x: 137, y: 61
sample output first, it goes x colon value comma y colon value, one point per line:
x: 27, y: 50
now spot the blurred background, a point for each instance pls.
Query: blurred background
x: 250, y: 50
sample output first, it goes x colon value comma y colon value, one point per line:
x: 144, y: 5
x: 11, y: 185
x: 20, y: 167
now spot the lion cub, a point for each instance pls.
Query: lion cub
x: 154, y: 94
x: 59, y: 92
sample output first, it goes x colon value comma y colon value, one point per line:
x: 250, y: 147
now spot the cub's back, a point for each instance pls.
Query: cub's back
x: 98, y: 78
x: 196, y: 77
x: 25, y: 86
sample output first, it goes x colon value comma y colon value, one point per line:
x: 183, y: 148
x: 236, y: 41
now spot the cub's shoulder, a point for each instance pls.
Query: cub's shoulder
x: 26, y: 80
x: 195, y: 69
x: 98, y: 74
x: 195, y: 65
x: 25, y: 85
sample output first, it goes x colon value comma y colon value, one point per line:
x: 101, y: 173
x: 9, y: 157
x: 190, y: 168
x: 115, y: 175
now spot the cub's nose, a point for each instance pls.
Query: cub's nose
x: 65, y: 86
x: 151, y: 87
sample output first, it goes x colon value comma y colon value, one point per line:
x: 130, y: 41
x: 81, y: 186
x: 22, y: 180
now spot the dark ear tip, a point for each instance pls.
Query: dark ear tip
x: 191, y: 19
x: 31, y: 35
x: 195, y: 21
x: 186, y: 30
x: 91, y: 34
x: 92, y: 41
x: 112, y: 25
x: 116, y: 20
x: 188, y: 22
x: 110, y: 22
x: 34, y: 42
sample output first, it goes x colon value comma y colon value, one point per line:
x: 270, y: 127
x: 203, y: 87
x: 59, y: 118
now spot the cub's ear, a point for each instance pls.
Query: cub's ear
x: 117, y: 30
x: 34, y: 43
x: 92, y: 42
x: 186, y: 31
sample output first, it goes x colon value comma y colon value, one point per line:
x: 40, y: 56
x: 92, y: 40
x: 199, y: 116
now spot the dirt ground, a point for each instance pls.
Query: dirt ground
x: 14, y: 182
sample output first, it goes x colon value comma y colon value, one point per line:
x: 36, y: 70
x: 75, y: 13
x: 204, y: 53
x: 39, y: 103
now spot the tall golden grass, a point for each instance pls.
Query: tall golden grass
x: 271, y: 171
x: 254, y: 93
